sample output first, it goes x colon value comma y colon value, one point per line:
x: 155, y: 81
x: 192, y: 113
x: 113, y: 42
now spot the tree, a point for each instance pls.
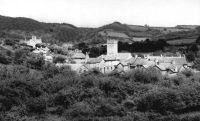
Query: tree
x: 190, y: 56
x: 198, y: 40
x: 59, y: 59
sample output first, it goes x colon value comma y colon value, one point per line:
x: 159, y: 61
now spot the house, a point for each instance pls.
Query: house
x: 48, y: 57
x: 78, y: 57
x: 94, y: 62
x: 166, y: 68
x: 33, y: 41
x: 122, y: 67
x: 67, y: 45
x: 140, y: 63
x: 41, y: 50
x: 83, y: 68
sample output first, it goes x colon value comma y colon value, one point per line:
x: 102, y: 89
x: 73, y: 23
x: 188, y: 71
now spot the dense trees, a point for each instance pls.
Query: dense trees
x: 28, y: 93
x: 144, y: 46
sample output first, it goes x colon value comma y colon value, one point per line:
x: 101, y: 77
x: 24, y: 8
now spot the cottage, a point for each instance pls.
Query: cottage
x: 122, y: 67
x: 79, y: 57
x: 33, y: 41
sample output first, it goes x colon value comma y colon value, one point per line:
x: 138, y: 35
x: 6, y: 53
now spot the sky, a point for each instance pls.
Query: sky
x: 95, y: 13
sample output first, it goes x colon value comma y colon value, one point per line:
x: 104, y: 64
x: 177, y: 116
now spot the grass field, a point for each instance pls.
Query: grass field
x: 181, y: 41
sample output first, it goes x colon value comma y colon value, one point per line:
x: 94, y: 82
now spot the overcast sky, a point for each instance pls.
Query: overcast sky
x: 95, y: 13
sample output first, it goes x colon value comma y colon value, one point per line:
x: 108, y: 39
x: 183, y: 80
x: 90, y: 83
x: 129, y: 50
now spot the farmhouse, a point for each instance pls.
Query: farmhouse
x: 33, y: 41
x: 79, y: 57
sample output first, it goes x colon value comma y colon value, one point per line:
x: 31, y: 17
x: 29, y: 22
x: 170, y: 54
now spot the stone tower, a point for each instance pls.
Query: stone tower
x: 112, y: 46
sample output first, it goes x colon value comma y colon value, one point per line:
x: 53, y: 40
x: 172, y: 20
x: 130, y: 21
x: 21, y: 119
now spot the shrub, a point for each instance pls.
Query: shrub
x: 5, y: 57
x: 35, y: 62
x: 20, y: 56
x: 160, y: 100
x: 149, y: 75
x: 50, y: 70
x: 106, y: 109
x: 59, y: 59
x: 79, y: 110
x: 187, y: 73
x: 67, y: 97
x: 190, y: 117
x: 36, y: 105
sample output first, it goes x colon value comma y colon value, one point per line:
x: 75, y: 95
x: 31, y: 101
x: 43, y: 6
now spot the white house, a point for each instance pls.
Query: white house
x: 33, y: 41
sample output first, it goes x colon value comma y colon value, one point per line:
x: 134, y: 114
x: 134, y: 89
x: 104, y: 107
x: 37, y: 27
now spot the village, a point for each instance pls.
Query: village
x: 112, y: 61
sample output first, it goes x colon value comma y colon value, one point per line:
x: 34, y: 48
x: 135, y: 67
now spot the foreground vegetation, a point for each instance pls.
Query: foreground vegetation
x: 48, y: 93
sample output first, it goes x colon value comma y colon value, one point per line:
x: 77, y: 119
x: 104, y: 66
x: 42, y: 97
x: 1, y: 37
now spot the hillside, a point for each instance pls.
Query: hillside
x: 21, y: 28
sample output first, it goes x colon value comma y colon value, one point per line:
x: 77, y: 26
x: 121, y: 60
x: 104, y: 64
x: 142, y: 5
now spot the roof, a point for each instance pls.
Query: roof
x: 78, y: 56
x: 169, y: 66
x: 124, y: 56
x: 84, y: 66
x: 123, y: 63
x: 131, y: 60
x: 94, y: 60
x: 110, y: 57
x: 138, y: 61
x: 149, y: 63
x: 177, y: 60
x: 144, y: 62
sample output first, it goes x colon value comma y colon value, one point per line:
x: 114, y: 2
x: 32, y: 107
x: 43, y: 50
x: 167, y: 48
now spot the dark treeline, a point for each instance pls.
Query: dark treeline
x: 143, y: 46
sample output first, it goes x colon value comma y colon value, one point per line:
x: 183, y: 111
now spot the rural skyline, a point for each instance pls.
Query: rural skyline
x: 95, y: 13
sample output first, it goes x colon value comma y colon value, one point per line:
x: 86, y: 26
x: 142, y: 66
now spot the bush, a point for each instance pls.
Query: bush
x: 160, y: 100
x: 36, y: 105
x: 20, y: 56
x: 190, y: 117
x: 5, y: 57
x: 187, y: 73
x: 145, y: 76
x: 106, y: 109
x: 67, y: 97
x: 79, y: 110
x: 35, y: 62
x: 59, y: 59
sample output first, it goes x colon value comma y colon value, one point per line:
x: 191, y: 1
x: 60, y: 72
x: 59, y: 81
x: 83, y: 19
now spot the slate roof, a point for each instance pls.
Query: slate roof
x: 131, y: 60
x: 169, y: 66
x: 123, y: 63
x: 124, y: 56
x: 165, y: 66
x: 177, y: 60
x: 110, y: 57
x: 94, y: 60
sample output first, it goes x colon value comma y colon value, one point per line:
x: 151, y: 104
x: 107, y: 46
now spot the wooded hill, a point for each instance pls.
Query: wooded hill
x: 21, y: 28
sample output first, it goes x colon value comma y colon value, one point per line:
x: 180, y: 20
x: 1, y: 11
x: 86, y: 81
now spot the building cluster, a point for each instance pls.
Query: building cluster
x: 114, y: 61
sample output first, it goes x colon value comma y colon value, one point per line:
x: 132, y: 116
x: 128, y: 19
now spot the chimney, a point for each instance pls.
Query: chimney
x: 157, y: 62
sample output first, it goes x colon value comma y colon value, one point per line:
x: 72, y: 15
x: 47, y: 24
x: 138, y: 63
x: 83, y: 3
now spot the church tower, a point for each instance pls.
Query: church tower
x: 112, y: 46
